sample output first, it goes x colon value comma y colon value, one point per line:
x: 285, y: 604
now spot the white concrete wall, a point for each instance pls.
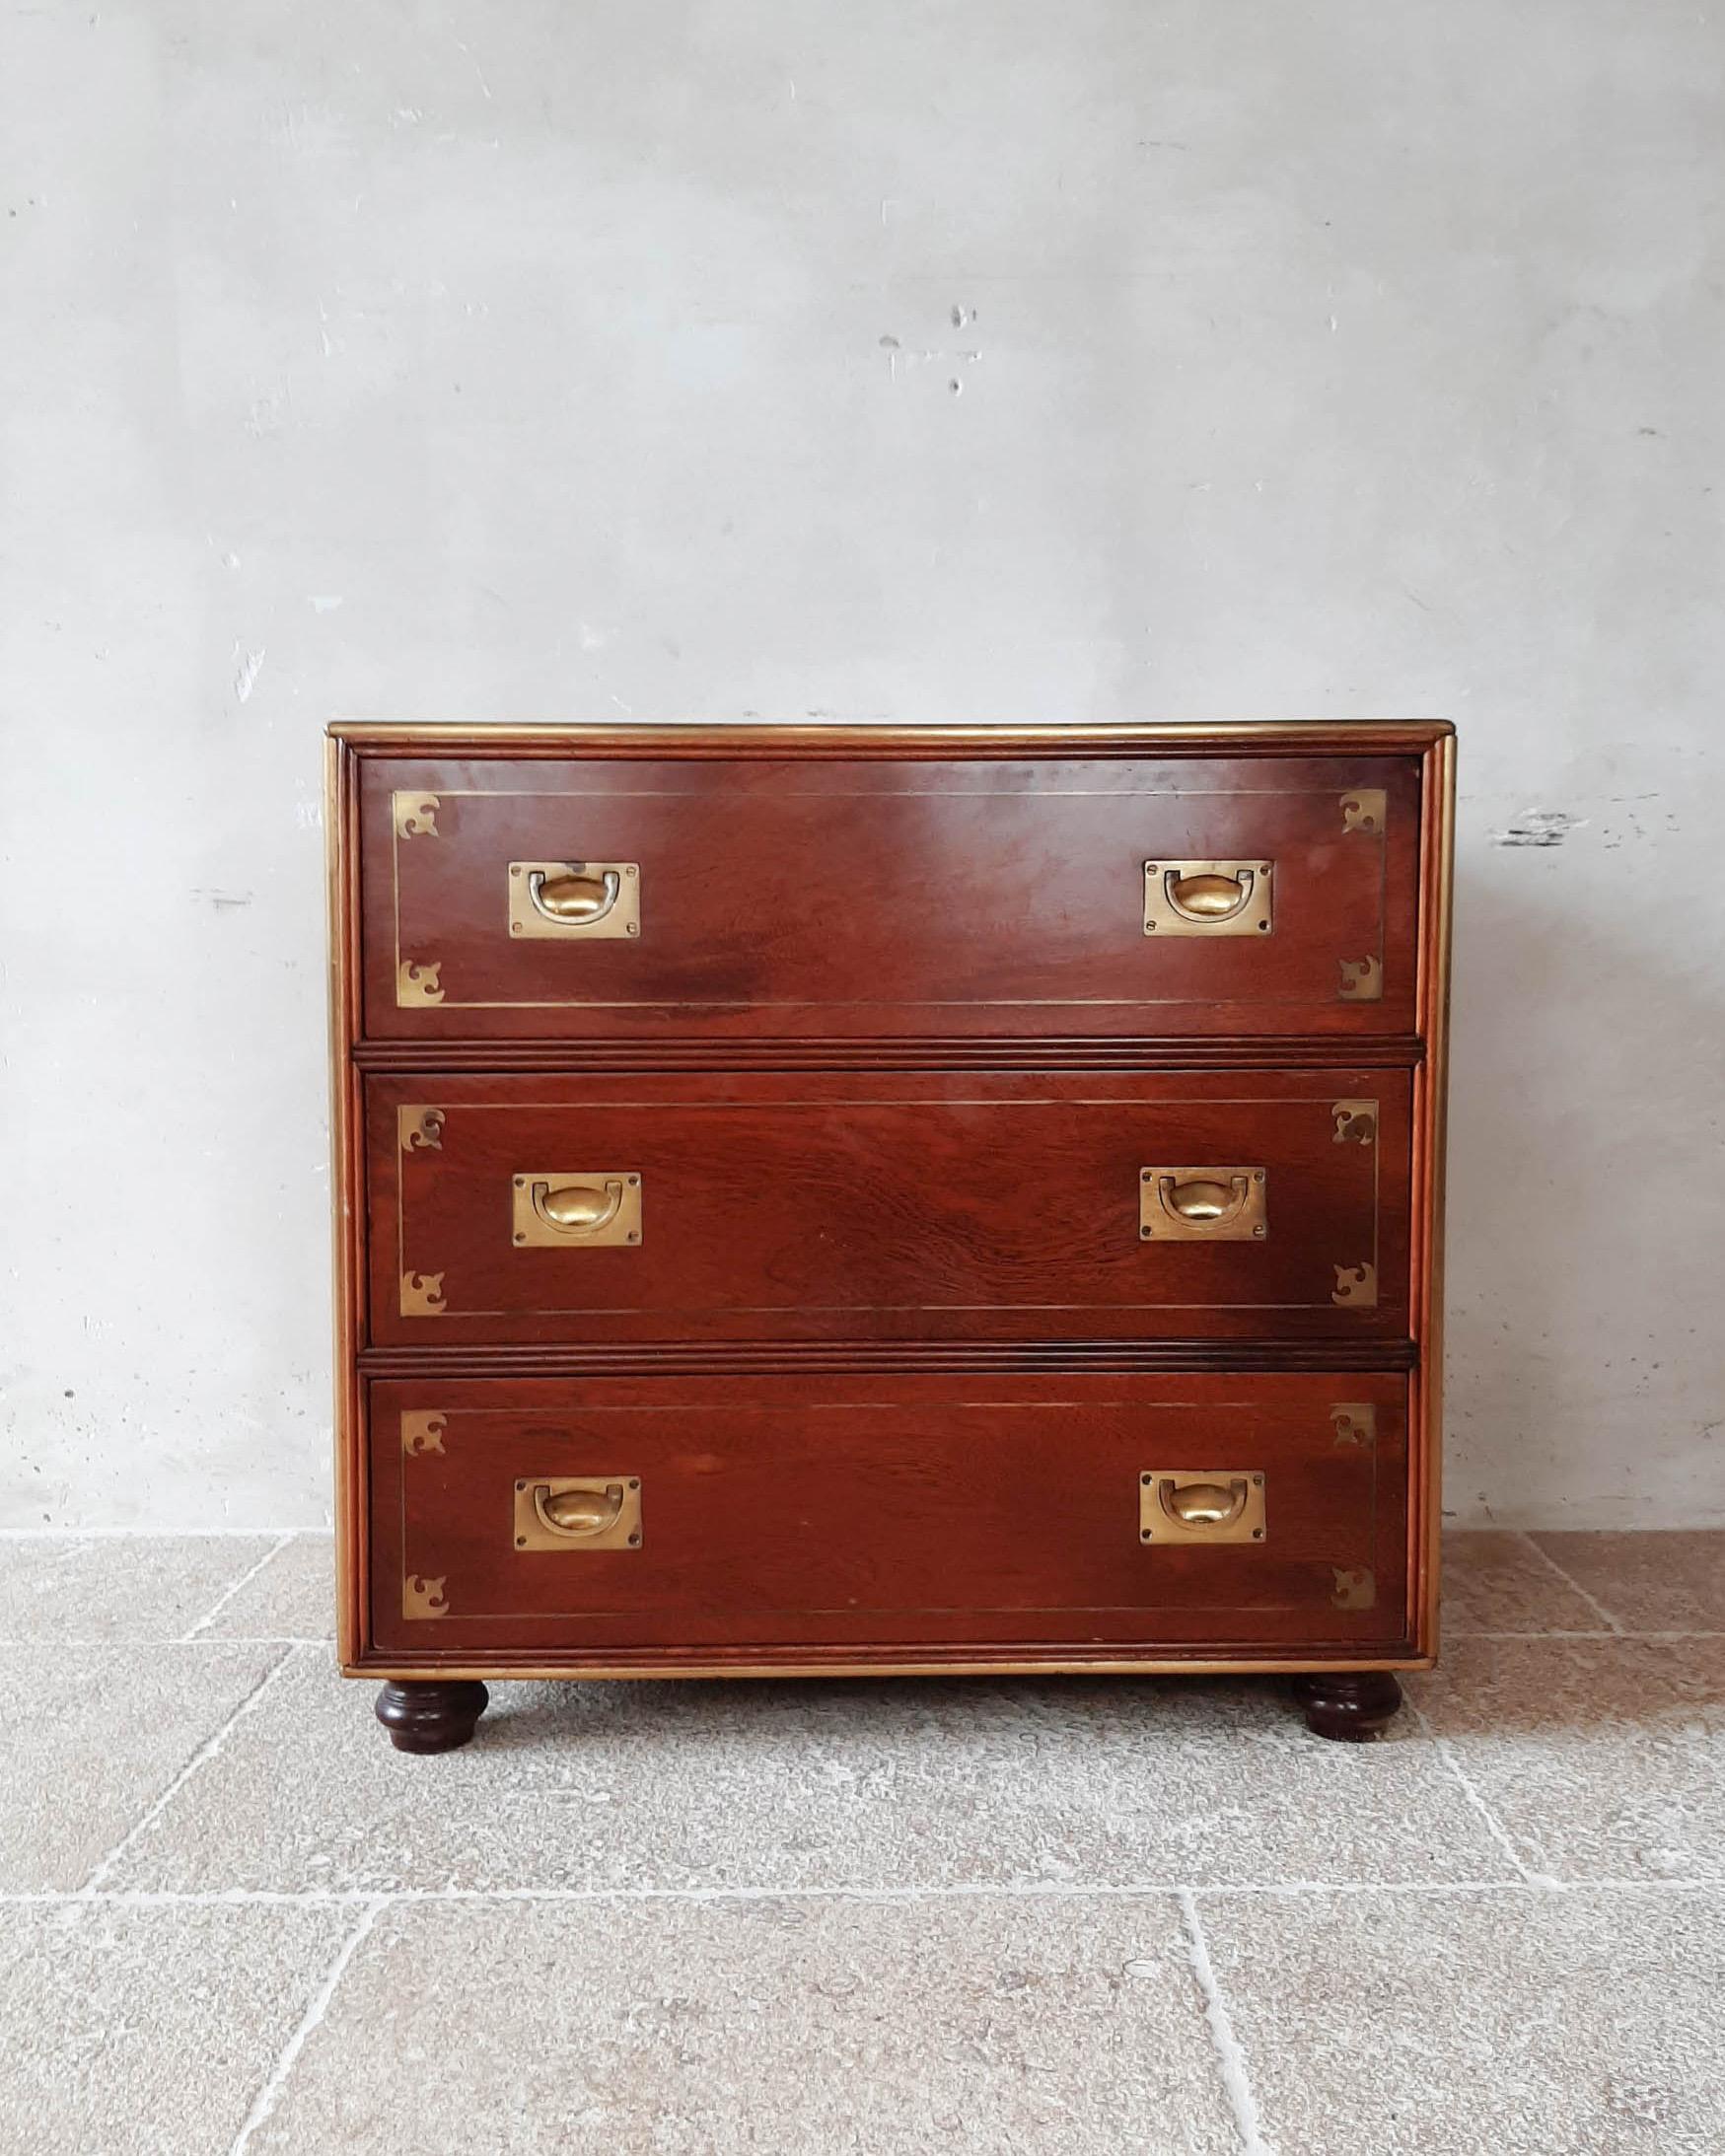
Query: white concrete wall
x: 568, y: 358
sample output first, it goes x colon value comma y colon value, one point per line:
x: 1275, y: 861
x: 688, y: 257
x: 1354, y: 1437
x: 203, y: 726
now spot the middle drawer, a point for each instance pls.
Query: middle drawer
x: 528, y: 1210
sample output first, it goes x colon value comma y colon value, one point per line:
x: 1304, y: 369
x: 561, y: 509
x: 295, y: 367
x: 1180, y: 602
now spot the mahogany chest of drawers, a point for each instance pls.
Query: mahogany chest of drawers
x: 855, y: 1199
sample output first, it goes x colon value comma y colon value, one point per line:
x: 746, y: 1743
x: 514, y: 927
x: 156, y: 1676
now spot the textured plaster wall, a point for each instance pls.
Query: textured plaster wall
x: 576, y: 358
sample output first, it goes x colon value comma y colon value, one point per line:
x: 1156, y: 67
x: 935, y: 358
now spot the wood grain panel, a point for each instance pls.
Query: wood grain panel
x: 882, y: 899
x: 785, y: 1515
x: 811, y: 1207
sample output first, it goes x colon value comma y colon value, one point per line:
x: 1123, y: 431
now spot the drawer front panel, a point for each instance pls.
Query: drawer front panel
x: 634, y: 899
x: 1183, y: 1205
x: 596, y: 1518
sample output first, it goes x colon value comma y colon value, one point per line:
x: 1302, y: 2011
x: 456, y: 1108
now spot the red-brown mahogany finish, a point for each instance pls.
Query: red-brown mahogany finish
x: 916, y: 1207
x: 857, y: 1242
x: 781, y: 1513
x: 880, y: 898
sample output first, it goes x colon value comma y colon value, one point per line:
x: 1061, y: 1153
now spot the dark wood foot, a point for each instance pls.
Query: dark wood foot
x: 1351, y: 1706
x: 427, y: 1716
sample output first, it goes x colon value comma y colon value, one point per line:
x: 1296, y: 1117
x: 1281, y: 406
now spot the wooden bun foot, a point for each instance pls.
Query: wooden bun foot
x: 1351, y: 1707
x: 431, y: 1716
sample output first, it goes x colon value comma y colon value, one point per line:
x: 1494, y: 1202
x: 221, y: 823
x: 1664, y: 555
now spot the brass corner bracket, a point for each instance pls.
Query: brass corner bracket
x: 423, y: 1597
x: 417, y: 983
x: 423, y: 1431
x: 1355, y: 1422
x: 1362, y: 980
x: 1365, y: 808
x: 422, y: 1295
x: 416, y: 815
x: 1356, y: 1287
x: 419, y: 1130
x: 1356, y: 1123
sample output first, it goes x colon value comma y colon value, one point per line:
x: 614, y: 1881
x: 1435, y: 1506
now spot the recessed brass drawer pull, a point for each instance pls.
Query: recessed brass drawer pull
x: 596, y: 900
x: 1216, y: 1506
x: 577, y: 1207
x: 577, y: 899
x: 578, y: 1512
x: 1207, y: 897
x: 588, y: 1207
x: 1197, y: 1205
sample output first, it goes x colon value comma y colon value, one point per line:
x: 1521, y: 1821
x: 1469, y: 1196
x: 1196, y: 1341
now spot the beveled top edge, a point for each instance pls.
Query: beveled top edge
x: 837, y: 737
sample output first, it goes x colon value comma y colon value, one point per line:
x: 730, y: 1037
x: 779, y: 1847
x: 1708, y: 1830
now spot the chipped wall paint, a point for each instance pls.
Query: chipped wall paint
x: 1308, y: 366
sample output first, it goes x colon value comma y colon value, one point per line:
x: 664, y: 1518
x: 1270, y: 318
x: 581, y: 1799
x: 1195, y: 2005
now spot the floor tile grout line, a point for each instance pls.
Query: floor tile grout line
x: 1534, y: 1885
x: 1230, y: 2058
x: 1593, y: 1602
x: 317, y: 2007
x: 1623, y: 1634
x: 1494, y: 1825
x: 244, y: 1580
x: 206, y: 1751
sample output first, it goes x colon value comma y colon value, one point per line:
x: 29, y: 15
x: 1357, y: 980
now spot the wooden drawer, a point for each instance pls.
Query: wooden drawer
x: 901, y: 1514
x: 873, y: 898
x: 912, y: 1207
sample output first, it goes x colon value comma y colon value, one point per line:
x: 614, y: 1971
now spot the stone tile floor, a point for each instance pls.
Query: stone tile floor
x: 995, y: 1916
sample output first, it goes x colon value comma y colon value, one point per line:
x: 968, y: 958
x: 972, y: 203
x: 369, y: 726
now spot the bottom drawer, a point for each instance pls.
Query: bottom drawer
x: 616, y: 1524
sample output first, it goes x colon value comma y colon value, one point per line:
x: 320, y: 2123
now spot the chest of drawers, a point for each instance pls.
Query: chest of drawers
x: 852, y: 1200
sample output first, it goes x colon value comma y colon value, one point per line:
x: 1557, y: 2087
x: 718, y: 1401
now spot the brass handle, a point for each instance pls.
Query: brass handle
x: 1204, y: 1504
x: 578, y: 1209
x: 577, y: 1514
x: 1202, y: 1203
x: 574, y: 900
x: 1210, y: 897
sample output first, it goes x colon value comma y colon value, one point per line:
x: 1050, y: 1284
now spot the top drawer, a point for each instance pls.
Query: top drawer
x: 872, y: 898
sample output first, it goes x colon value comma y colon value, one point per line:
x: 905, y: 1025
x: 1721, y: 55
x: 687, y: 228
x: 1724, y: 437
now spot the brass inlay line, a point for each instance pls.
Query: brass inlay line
x: 579, y: 1310
x: 901, y: 793
x: 896, y: 1406
x: 584, y: 1003
x: 589, y: 1104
